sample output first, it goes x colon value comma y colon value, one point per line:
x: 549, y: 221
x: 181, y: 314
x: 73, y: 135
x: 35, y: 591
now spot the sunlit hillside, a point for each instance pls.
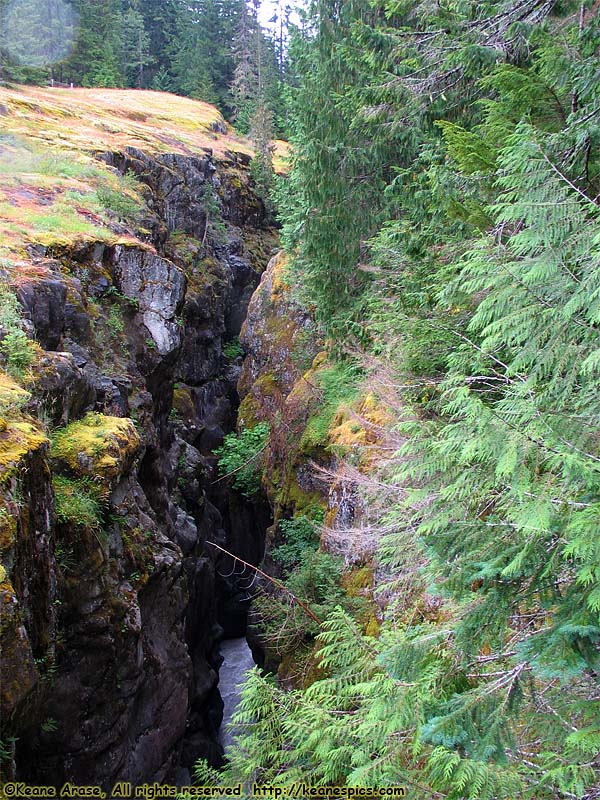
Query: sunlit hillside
x: 52, y: 186
x: 109, y: 119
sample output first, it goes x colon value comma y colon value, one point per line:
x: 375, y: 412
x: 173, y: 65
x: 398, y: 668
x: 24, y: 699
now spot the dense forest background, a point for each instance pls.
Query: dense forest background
x: 211, y: 50
x: 442, y: 220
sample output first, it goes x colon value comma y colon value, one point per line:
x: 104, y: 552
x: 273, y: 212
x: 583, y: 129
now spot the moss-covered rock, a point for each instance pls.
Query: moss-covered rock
x: 8, y: 526
x: 19, y: 433
x: 358, y: 582
x: 12, y: 396
x: 277, y: 331
x: 16, y: 441
x: 97, y: 446
x: 360, y: 428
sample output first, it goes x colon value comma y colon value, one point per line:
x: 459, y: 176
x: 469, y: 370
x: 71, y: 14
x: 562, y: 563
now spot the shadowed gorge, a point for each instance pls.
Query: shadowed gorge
x: 113, y: 606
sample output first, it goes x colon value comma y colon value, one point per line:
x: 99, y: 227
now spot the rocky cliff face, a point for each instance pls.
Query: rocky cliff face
x: 327, y: 430
x: 108, y: 492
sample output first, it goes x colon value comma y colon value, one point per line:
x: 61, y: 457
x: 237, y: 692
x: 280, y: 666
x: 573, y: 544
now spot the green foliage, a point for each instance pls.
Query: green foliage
x: 7, y: 746
x: 78, y: 502
x: 136, y: 47
x: 299, y: 535
x: 233, y: 349
x: 261, y: 166
x: 115, y: 321
x: 256, y: 80
x: 49, y: 725
x: 16, y: 349
x: 36, y: 34
x: 329, y: 206
x: 315, y: 580
x: 123, y: 201
x: 309, y: 574
x: 214, y: 212
x: 337, y: 385
x: 240, y: 457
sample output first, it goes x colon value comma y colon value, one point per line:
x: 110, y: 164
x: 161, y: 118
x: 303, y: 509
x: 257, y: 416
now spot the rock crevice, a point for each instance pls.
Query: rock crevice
x: 110, y: 625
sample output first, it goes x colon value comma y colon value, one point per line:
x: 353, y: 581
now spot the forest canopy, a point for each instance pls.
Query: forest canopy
x: 210, y: 50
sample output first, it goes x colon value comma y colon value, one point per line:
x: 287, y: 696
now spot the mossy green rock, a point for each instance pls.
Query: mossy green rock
x: 19, y: 434
x: 97, y: 446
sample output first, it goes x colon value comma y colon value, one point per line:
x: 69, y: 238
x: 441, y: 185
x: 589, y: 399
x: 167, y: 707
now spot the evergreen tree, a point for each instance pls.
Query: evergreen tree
x: 340, y: 163
x: 136, y: 47
x: 161, y: 25
x: 190, y: 54
x: 484, y: 308
x: 244, y: 86
x: 96, y: 59
x: 261, y: 133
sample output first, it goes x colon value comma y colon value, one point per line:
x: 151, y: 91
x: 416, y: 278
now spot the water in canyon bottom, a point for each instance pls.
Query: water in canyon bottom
x: 237, y: 660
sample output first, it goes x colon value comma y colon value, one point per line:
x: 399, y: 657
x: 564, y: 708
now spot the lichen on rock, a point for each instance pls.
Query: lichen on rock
x: 157, y: 287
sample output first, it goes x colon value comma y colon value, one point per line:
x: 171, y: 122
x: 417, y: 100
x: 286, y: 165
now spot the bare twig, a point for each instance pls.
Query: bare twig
x: 308, y: 611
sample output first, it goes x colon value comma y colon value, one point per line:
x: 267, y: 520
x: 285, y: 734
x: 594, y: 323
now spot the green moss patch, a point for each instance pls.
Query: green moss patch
x: 96, y: 446
x: 358, y: 583
x: 338, y: 386
x: 12, y: 396
x: 16, y: 440
x: 8, y: 528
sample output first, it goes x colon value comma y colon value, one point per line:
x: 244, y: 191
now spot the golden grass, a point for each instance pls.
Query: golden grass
x: 17, y: 438
x: 49, y: 178
x: 111, y: 119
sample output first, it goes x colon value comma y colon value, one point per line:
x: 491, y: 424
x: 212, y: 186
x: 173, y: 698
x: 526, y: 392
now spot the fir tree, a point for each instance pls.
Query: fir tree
x: 96, y: 59
x: 261, y: 133
x: 245, y: 81
x: 483, y: 309
x: 136, y: 47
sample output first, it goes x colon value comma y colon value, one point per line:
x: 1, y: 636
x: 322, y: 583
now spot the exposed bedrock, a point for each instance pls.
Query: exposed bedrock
x: 113, y: 603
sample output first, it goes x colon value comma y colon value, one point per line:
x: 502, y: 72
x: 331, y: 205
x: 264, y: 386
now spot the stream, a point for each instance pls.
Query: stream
x: 237, y: 660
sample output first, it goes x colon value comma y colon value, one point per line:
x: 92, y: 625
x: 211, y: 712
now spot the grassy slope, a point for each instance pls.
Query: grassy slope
x: 52, y: 190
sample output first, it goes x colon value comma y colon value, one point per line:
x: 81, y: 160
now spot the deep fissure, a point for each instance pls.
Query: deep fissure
x: 131, y: 607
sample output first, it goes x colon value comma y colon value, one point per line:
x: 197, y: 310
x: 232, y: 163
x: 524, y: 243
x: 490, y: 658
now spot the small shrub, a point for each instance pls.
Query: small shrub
x: 300, y: 537
x: 214, y: 214
x: 116, y: 201
x: 239, y: 456
x: 16, y: 350
x: 115, y: 321
x: 65, y: 559
x: 77, y: 502
x: 233, y: 349
x: 7, y: 747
